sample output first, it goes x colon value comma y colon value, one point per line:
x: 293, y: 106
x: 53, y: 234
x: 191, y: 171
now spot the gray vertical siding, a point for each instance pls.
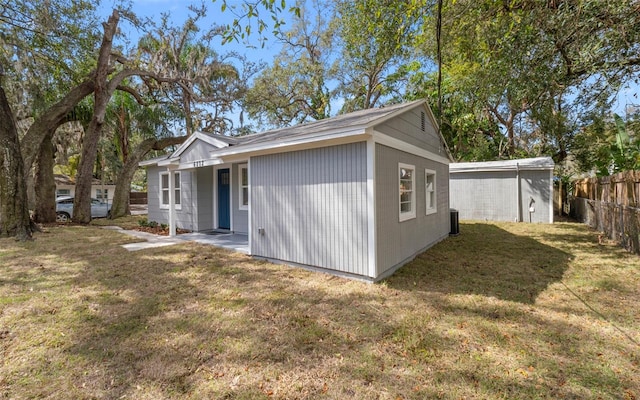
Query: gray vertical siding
x: 399, y: 241
x: 240, y: 217
x: 312, y: 205
x: 482, y: 195
x: 153, y: 195
x: 197, y: 151
x: 185, y: 218
x: 493, y: 195
x: 537, y: 185
x: 407, y: 127
x: 204, y: 199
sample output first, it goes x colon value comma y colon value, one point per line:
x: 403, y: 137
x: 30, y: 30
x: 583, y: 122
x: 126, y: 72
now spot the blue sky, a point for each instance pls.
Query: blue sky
x: 179, y: 12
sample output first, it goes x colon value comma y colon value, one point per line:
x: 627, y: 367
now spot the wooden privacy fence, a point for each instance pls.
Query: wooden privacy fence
x: 611, y: 204
x: 138, y: 198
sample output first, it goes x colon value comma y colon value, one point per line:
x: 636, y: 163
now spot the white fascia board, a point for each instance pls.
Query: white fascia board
x: 523, y: 164
x: 198, y: 136
x: 398, y: 144
x: 147, y: 163
x: 399, y: 111
x: 200, y: 164
x: 211, y: 140
x: 306, y: 142
x: 453, y: 170
x: 169, y: 161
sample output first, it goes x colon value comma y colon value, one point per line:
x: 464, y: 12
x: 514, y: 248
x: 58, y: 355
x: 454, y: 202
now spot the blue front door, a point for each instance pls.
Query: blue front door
x: 224, y: 206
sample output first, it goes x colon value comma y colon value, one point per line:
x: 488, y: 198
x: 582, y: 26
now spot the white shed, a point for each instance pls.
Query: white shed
x: 509, y: 190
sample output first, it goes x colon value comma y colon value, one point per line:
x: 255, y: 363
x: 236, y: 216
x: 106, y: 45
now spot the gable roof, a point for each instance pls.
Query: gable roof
x: 354, y: 120
x: 351, y: 124
x: 341, y: 126
x: 209, y: 138
x: 530, y: 164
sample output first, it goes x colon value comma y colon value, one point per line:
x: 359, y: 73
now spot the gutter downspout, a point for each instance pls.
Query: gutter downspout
x: 518, y: 194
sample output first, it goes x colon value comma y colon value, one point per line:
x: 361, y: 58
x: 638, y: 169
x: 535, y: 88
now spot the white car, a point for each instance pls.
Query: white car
x: 64, y: 209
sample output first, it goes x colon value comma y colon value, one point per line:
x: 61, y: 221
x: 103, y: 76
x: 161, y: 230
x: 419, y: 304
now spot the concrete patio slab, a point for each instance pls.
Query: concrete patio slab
x: 232, y: 241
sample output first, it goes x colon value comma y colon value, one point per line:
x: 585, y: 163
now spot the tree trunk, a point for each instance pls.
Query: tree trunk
x: 102, y: 95
x: 120, y: 206
x: 45, y: 185
x: 14, y: 212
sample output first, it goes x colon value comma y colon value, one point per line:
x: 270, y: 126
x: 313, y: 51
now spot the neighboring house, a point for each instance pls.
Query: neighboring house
x: 511, y: 190
x: 358, y: 195
x: 65, y: 186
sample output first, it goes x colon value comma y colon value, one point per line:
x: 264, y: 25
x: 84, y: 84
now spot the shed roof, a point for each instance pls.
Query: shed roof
x: 538, y: 163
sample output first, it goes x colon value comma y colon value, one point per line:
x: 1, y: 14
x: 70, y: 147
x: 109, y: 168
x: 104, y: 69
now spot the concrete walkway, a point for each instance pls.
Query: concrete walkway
x: 231, y: 241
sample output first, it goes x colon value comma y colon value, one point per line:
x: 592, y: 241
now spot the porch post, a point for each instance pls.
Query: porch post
x: 172, y: 202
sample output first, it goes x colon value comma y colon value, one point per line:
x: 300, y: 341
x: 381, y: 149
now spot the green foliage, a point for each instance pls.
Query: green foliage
x: 47, y: 47
x: 143, y: 222
x: 294, y: 89
x: 608, y: 145
x: 377, y: 50
x: 538, y: 69
x: 208, y: 83
x: 262, y: 13
x: 470, y: 135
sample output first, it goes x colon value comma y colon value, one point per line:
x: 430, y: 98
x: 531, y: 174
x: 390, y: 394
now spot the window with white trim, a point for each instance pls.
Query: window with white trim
x: 164, y: 190
x: 243, y: 187
x: 102, y: 195
x: 430, y: 191
x: 407, y: 191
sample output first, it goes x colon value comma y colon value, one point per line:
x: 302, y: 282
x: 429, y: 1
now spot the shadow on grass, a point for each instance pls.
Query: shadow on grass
x: 488, y: 261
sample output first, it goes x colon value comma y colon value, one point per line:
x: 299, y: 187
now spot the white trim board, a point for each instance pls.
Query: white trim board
x: 398, y: 144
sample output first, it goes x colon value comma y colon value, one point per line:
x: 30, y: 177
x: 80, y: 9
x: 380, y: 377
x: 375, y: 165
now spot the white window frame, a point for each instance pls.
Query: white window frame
x: 407, y: 215
x: 178, y: 191
x: 430, y: 195
x: 242, y: 206
x: 63, y: 192
x: 102, y: 194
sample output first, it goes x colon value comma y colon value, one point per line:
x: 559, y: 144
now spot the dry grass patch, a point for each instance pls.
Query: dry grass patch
x: 501, y: 311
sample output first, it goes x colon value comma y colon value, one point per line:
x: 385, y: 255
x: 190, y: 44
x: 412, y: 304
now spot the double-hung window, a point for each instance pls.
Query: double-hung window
x: 102, y: 195
x: 243, y: 187
x: 407, y: 191
x: 430, y: 191
x: 164, y: 190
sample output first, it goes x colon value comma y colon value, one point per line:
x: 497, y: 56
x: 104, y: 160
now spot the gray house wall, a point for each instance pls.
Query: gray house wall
x: 197, y: 151
x: 537, y: 185
x: 488, y: 196
x: 185, y: 217
x: 240, y: 217
x: 397, y: 242
x: 204, y: 199
x: 312, y: 205
x: 408, y: 128
x: 493, y: 195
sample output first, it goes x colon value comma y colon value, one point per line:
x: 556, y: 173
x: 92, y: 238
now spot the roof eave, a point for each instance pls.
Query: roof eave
x: 283, y: 144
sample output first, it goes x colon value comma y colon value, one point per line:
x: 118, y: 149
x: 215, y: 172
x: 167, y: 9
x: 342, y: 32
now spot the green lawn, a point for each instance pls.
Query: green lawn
x: 503, y: 311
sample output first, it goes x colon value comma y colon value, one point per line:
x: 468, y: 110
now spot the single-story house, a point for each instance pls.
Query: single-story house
x: 511, y: 190
x: 65, y: 186
x: 356, y: 195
